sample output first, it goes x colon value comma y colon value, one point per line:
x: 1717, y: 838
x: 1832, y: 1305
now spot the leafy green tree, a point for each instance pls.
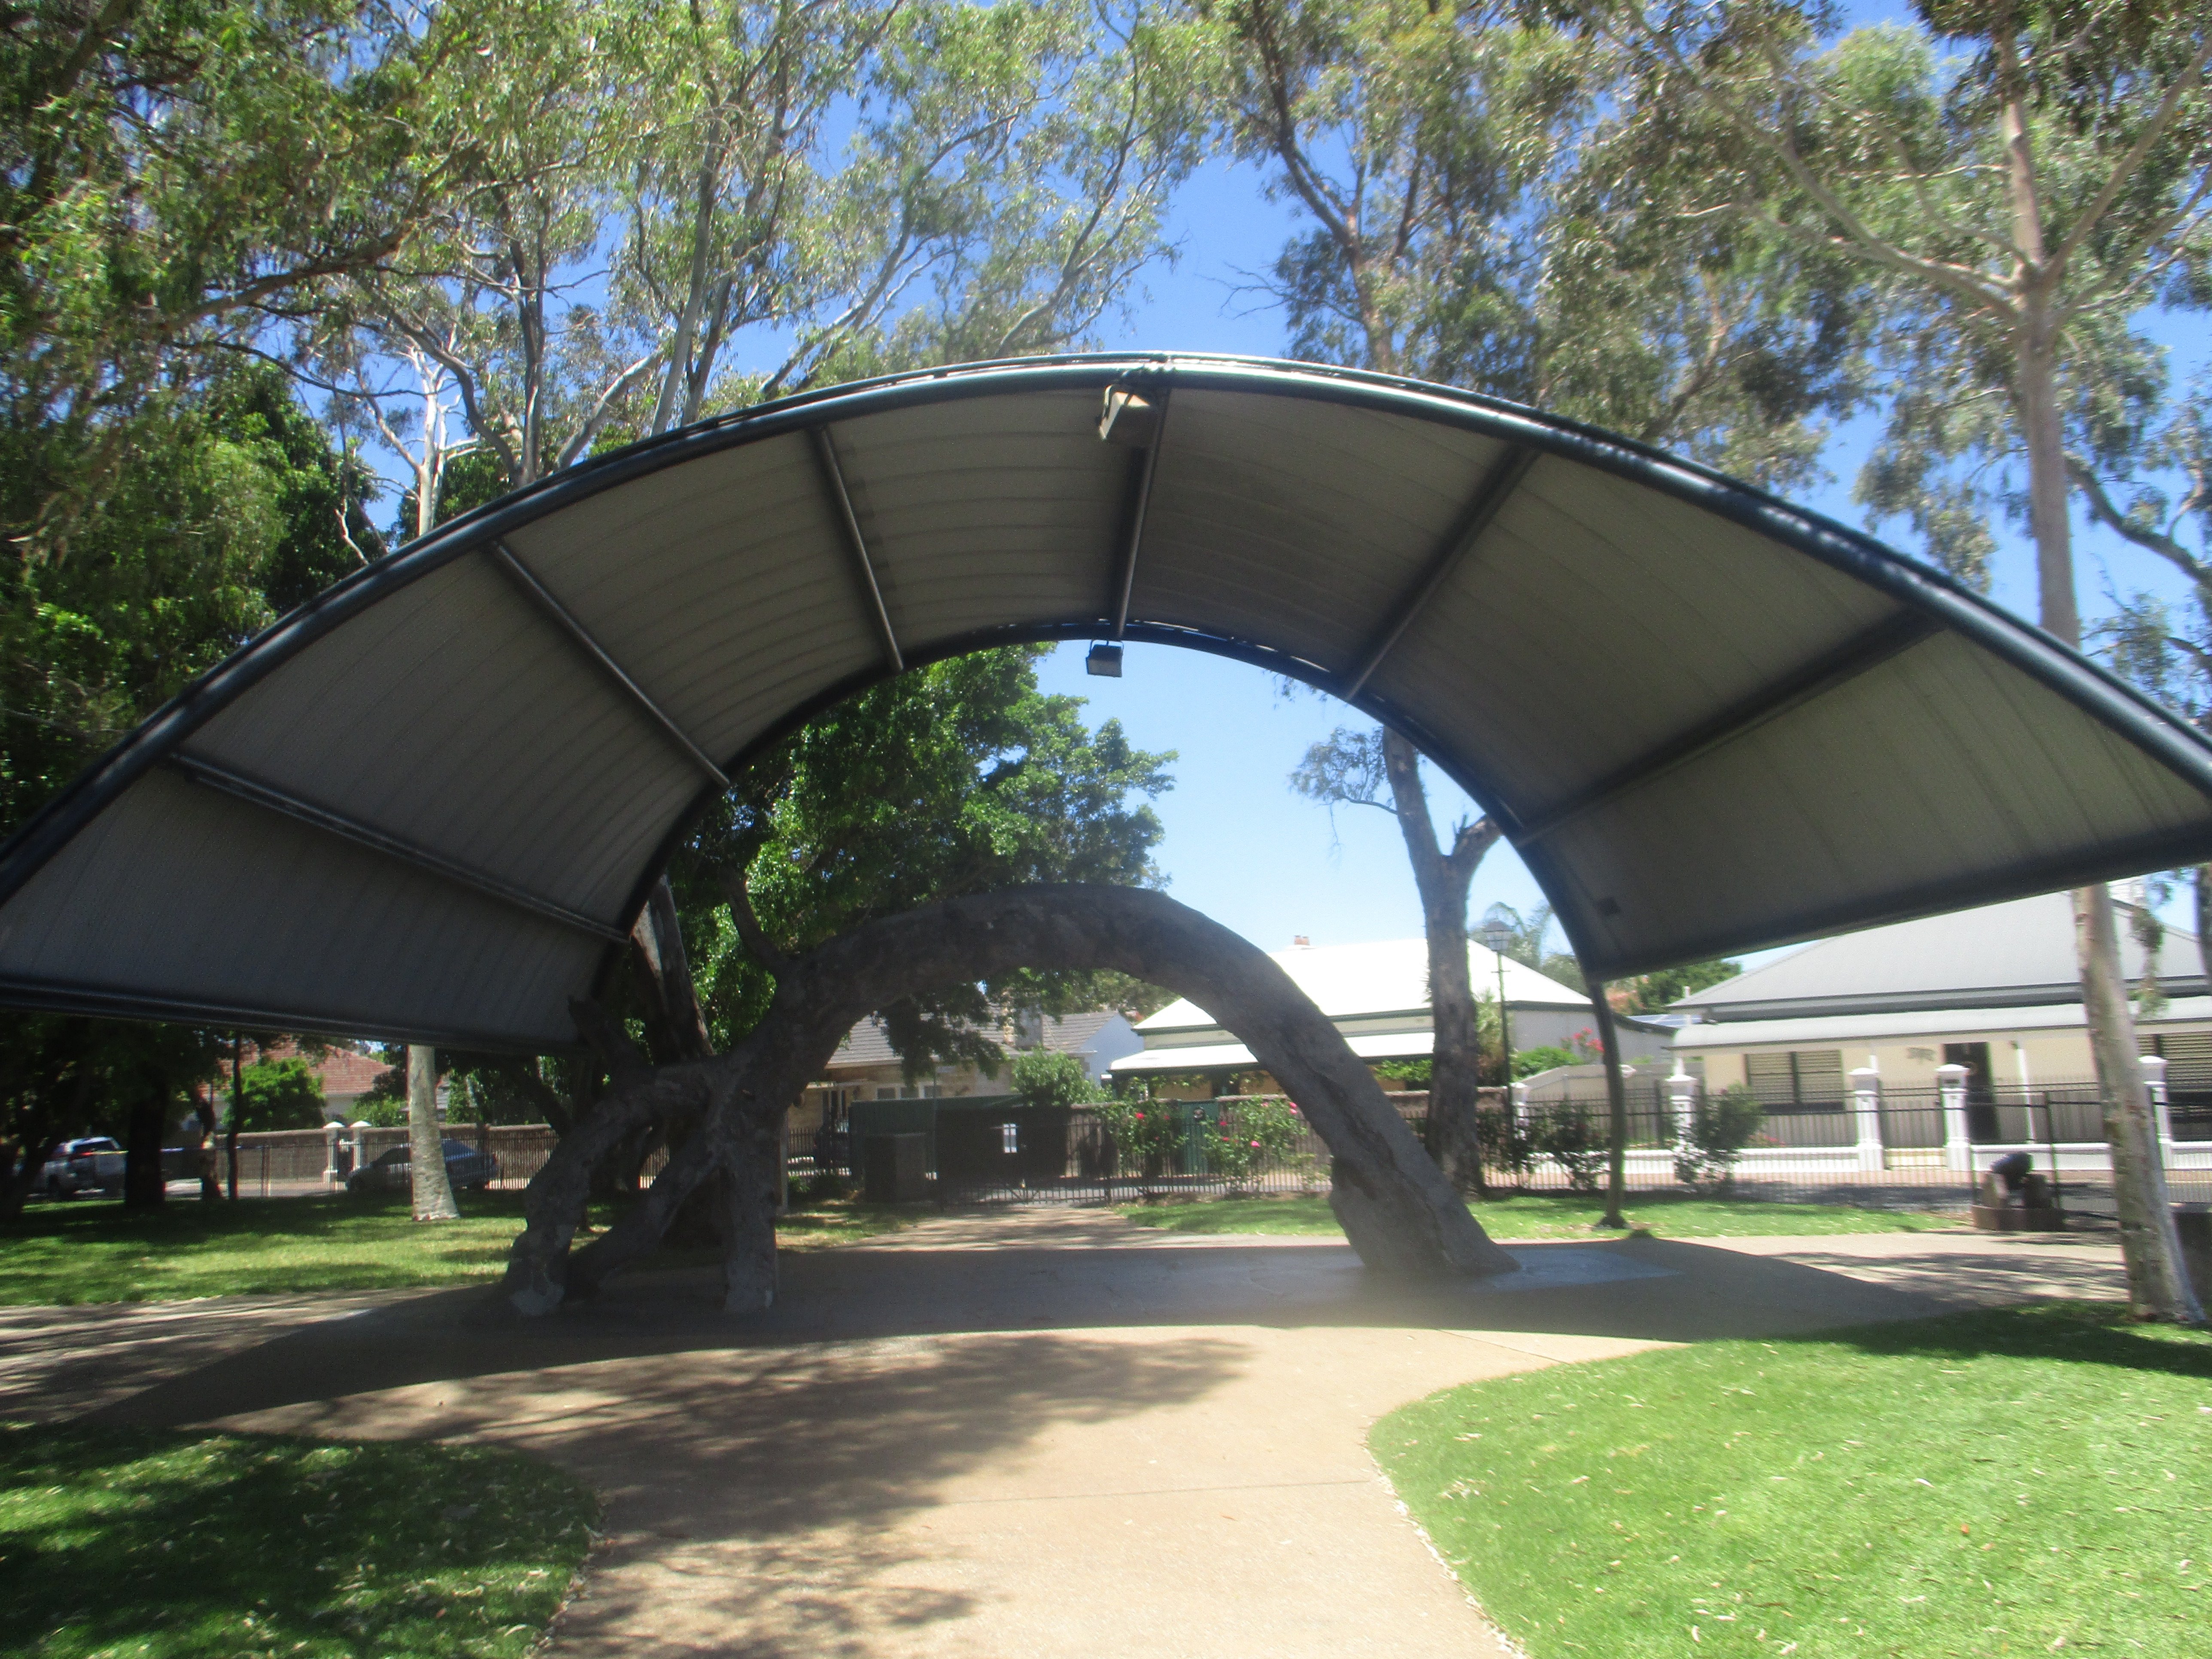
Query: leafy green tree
x: 956, y: 778
x: 1655, y: 993
x: 282, y: 1094
x: 2015, y: 209
x: 233, y: 511
x: 1044, y: 1078
x: 177, y: 179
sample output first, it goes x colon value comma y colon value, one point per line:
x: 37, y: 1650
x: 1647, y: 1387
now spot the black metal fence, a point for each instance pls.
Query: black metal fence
x: 1902, y: 1149
x: 1910, y: 1151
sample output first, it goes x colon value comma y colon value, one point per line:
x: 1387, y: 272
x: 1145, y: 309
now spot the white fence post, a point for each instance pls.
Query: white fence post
x: 2153, y: 1069
x: 360, y: 1156
x: 1866, y: 1108
x: 1682, y: 1101
x: 329, y: 1154
x: 1958, y: 1146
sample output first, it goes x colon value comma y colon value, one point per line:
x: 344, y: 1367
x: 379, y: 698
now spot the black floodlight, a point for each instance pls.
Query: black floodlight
x: 1104, y: 660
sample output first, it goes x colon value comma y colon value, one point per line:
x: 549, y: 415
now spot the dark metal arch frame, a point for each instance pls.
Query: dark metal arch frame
x: 1928, y: 591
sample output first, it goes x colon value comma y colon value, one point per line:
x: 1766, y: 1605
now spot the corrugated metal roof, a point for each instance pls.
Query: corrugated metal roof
x: 1950, y: 1023
x: 1208, y: 1056
x: 428, y: 804
x: 868, y: 1043
x: 1381, y: 976
x: 1994, y: 956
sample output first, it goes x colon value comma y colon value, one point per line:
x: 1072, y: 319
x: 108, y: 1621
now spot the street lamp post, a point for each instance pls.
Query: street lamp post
x: 1498, y: 934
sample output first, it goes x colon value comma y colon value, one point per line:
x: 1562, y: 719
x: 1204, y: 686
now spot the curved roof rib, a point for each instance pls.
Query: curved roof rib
x: 430, y: 802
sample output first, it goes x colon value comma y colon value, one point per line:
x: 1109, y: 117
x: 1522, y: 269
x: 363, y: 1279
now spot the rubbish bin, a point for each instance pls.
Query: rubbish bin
x: 896, y: 1169
x: 2194, y: 1223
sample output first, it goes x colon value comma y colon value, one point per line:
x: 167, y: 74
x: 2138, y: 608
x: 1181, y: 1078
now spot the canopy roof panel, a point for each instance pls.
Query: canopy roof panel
x: 429, y: 803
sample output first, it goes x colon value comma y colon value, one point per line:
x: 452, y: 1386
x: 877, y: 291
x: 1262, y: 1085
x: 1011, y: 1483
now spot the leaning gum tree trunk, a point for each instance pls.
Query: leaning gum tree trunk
x: 1443, y: 879
x: 1396, y: 1208
x: 426, y: 1142
x: 2157, y: 1283
x: 2150, y: 1245
x: 1616, y: 1114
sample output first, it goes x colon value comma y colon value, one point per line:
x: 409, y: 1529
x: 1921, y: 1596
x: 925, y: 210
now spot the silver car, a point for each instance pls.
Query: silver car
x: 90, y: 1164
x: 467, y: 1168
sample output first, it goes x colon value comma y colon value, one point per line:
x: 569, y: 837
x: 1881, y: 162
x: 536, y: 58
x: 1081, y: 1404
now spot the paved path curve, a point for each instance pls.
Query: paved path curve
x: 1030, y: 1432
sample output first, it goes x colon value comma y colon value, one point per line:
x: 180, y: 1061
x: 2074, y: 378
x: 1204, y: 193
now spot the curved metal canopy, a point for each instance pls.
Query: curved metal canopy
x: 430, y: 803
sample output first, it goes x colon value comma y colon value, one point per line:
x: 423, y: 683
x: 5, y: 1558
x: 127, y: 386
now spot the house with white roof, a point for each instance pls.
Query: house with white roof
x: 866, y: 1068
x: 1378, y: 994
x: 1995, y: 990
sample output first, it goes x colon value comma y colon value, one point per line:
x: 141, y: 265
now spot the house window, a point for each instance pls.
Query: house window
x: 2188, y: 1060
x: 1801, y: 1077
x: 1010, y: 1138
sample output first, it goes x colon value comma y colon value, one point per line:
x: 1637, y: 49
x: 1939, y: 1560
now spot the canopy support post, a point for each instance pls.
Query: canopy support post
x: 1498, y: 486
x: 539, y: 595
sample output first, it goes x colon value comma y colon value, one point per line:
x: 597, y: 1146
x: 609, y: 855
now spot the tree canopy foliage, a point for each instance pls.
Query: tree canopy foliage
x: 958, y: 778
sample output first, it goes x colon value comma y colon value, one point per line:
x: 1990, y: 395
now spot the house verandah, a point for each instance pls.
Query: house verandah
x: 1946, y: 1043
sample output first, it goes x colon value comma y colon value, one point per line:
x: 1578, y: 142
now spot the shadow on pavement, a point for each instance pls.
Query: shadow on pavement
x: 1689, y: 1292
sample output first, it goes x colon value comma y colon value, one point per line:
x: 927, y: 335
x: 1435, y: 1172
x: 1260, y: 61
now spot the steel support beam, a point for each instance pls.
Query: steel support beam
x: 1125, y: 580
x: 539, y: 595
x: 1829, y: 672
x: 273, y: 800
x: 834, y: 475
x: 1497, y: 489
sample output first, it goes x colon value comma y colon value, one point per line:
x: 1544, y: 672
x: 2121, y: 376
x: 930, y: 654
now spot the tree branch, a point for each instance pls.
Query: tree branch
x: 750, y: 933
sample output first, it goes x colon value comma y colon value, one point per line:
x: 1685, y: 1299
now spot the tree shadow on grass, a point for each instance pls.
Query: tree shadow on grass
x: 135, y: 1540
x: 2100, y: 1333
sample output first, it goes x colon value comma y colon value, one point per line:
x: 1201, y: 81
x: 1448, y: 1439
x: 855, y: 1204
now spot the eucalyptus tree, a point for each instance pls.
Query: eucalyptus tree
x: 1002, y: 184
x: 1472, y: 220
x: 731, y: 168
x: 2016, y: 207
x: 495, y: 294
x: 661, y: 210
x: 2160, y: 502
x: 177, y: 179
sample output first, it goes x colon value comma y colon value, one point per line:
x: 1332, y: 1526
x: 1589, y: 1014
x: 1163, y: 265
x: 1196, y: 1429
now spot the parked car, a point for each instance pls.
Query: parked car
x: 93, y: 1164
x: 96, y: 1163
x: 467, y: 1168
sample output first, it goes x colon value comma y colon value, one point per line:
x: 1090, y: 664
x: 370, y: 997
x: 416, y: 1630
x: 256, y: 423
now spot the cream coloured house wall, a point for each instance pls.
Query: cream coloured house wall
x: 2026, y: 1046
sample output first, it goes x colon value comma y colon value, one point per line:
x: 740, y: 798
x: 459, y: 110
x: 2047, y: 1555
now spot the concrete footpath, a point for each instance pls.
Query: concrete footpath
x: 1032, y: 1430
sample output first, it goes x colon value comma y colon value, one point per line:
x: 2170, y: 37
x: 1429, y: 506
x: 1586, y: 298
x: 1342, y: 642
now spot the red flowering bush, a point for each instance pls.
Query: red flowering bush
x: 1146, y: 1133
x: 1250, y: 1133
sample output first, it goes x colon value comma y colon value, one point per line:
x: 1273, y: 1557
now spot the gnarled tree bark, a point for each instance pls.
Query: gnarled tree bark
x: 1396, y: 1208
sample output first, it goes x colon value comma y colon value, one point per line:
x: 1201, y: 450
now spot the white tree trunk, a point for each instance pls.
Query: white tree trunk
x: 426, y: 1147
x: 2158, y: 1279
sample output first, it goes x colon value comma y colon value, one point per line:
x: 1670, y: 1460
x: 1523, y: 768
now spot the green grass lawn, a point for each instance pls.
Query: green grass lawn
x: 125, y: 1542
x: 1554, y: 1215
x: 2032, y: 1481
x: 91, y: 1251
